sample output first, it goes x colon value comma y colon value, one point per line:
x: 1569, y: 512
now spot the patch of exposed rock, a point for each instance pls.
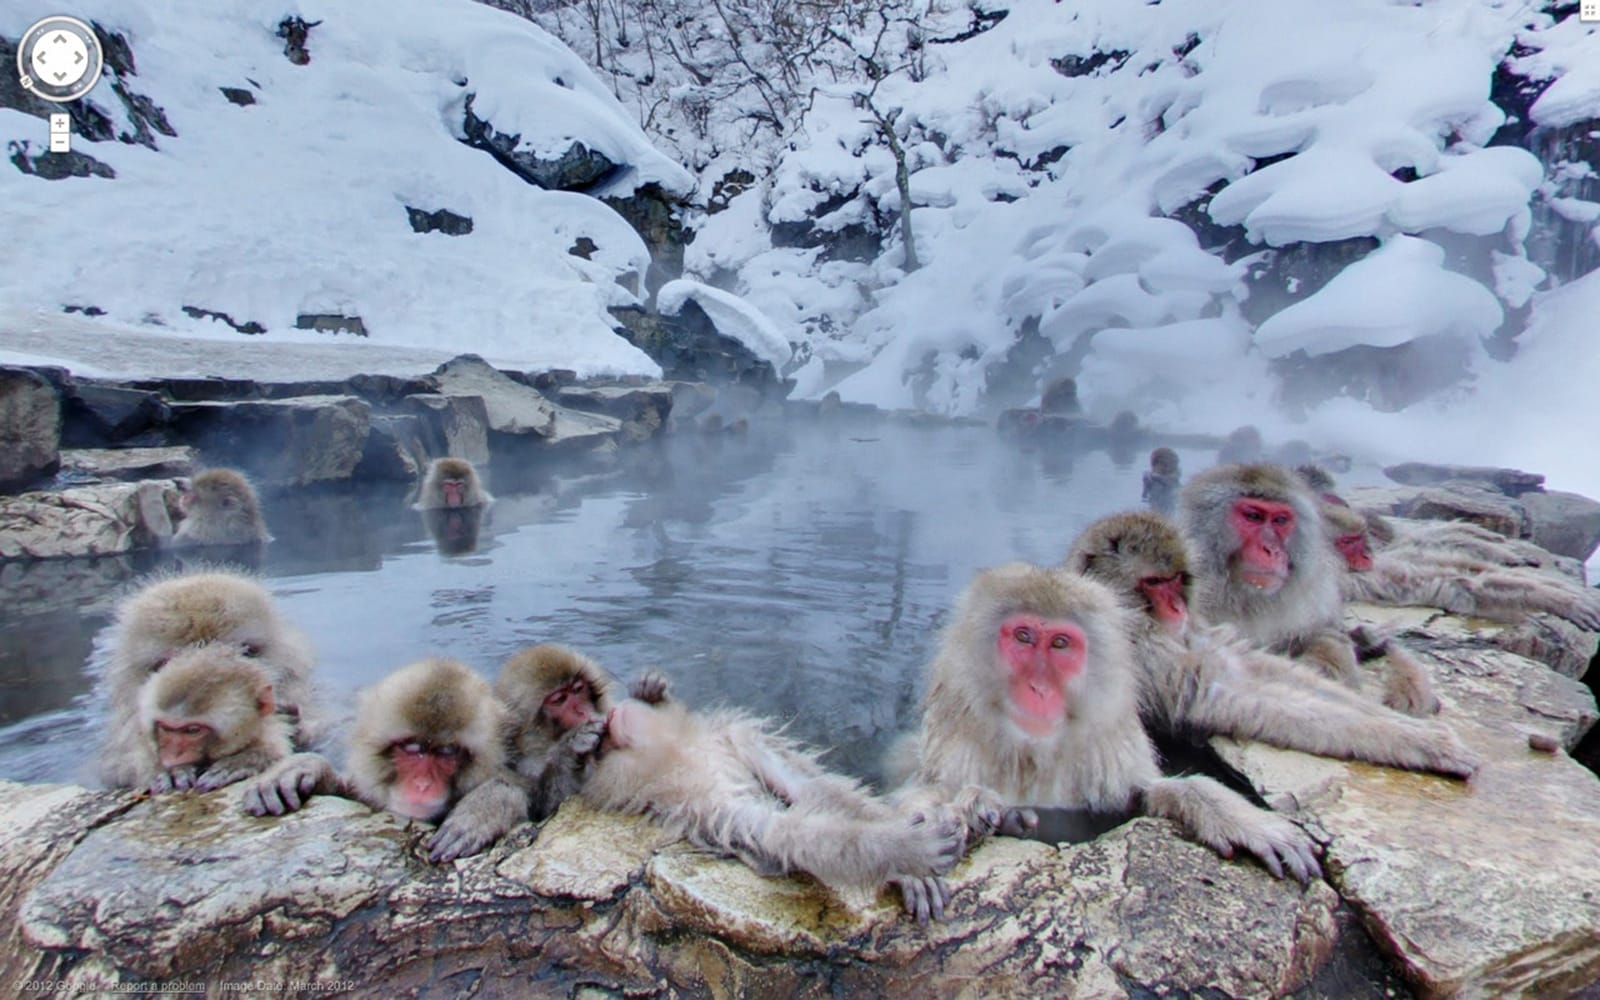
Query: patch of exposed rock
x: 1480, y: 888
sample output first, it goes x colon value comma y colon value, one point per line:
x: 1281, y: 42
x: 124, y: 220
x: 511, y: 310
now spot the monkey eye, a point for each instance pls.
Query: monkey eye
x: 412, y: 748
x: 192, y: 729
x: 1060, y: 642
x: 1254, y: 514
x: 1281, y: 520
x: 447, y: 750
x: 159, y: 663
x: 556, y: 698
x: 1151, y: 581
x: 1024, y: 635
x: 252, y: 649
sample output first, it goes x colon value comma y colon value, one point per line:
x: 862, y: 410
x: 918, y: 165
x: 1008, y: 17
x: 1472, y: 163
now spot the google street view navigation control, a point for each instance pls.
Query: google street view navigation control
x: 59, y: 60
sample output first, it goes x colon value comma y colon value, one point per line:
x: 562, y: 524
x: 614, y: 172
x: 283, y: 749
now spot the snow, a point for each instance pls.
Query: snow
x: 731, y: 315
x: 1568, y: 54
x: 1397, y: 293
x: 297, y: 204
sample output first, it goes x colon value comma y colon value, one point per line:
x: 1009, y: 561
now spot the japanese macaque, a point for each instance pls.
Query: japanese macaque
x: 1263, y: 564
x: 1243, y: 444
x: 209, y: 719
x: 1456, y: 583
x: 1162, y: 482
x: 1060, y: 396
x: 1194, y: 677
x: 426, y: 738
x: 195, y: 609
x: 451, y: 482
x: 729, y: 784
x: 220, y: 508
x: 557, y: 700
x: 1033, y: 700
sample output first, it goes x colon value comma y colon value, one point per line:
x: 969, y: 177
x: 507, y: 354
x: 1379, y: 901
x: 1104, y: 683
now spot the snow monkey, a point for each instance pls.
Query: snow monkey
x: 557, y: 700
x: 220, y: 508
x: 1457, y: 583
x: 1033, y: 699
x: 171, y: 614
x: 209, y: 720
x: 1198, y: 677
x: 425, y: 737
x: 1162, y: 482
x: 730, y: 784
x: 451, y: 482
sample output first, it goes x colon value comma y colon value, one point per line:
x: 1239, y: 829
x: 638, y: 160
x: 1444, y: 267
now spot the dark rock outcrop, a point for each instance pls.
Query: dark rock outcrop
x: 30, y: 427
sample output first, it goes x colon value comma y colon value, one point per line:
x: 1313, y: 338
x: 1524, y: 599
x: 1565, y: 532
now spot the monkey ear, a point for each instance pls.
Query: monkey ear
x: 266, y: 704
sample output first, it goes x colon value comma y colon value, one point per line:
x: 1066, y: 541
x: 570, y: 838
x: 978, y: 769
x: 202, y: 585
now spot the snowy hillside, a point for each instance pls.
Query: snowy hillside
x: 297, y: 204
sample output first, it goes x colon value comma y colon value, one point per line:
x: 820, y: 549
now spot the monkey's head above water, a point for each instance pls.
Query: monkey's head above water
x: 1142, y: 557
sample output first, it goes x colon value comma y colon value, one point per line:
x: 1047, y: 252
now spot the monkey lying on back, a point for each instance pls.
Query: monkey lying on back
x: 1205, y: 678
x: 729, y: 784
x: 425, y: 737
x: 1032, y: 700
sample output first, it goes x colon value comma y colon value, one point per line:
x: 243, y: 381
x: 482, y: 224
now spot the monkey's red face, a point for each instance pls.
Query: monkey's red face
x: 1040, y: 656
x: 455, y: 492
x: 182, y: 742
x: 570, y: 705
x: 1356, y: 554
x: 1263, y: 528
x: 424, y: 774
x: 1164, y: 596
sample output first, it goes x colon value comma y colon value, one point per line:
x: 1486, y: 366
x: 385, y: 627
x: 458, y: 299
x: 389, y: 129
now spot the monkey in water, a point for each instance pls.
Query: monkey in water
x: 1033, y: 700
x: 171, y: 614
x: 220, y: 508
x: 1459, y: 584
x: 209, y: 719
x: 557, y: 700
x: 729, y: 784
x: 425, y: 738
x: 1162, y: 482
x: 1198, y: 677
x: 449, y: 483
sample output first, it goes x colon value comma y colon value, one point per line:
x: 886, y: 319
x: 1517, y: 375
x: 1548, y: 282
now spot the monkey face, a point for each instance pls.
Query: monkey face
x: 1163, y: 596
x: 424, y: 779
x: 181, y: 742
x: 1040, y: 657
x: 1353, y: 547
x: 1263, y: 529
x: 570, y: 705
x: 455, y: 492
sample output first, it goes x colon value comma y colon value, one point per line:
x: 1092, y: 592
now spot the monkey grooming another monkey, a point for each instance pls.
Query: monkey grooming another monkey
x: 1162, y: 482
x: 1033, y: 700
x: 220, y: 508
x: 209, y: 720
x: 1204, y: 678
x: 173, y: 613
x: 425, y: 737
x: 451, y: 482
x: 557, y: 700
x: 729, y: 784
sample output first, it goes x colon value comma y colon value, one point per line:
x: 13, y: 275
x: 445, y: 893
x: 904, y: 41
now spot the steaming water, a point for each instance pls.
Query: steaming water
x: 800, y: 572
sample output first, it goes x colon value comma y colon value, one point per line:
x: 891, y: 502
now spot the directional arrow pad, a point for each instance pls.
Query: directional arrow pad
x: 59, y: 59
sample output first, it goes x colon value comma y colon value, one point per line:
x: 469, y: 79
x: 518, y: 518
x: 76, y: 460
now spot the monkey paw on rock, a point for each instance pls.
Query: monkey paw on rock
x: 176, y: 779
x: 923, y: 897
x: 986, y: 814
x: 455, y: 839
x: 1278, y: 843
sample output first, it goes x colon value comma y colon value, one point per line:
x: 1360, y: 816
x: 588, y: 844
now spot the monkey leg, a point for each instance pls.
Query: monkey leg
x: 1224, y: 821
x: 481, y: 817
x: 1502, y: 595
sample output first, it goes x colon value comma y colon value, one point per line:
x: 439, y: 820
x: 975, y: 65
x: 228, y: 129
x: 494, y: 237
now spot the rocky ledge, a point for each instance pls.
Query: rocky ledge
x: 1433, y: 886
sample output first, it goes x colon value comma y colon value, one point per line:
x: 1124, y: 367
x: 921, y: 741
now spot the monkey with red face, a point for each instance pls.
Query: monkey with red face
x: 1195, y: 677
x: 451, y: 483
x: 426, y: 738
x: 1264, y: 565
x: 1033, y: 701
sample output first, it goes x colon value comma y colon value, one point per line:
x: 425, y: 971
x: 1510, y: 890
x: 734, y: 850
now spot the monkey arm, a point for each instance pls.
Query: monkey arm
x: 1256, y: 695
x: 1504, y: 594
x: 556, y: 774
x: 286, y: 785
x: 483, y: 816
x: 1224, y: 821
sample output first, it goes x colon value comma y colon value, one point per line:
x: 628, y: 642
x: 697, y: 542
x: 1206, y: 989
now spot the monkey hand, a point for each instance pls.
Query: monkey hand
x: 934, y: 841
x: 650, y: 689
x: 1444, y: 753
x: 1581, y: 608
x: 458, y: 837
x: 585, y: 739
x: 285, y: 787
x: 175, y: 779
x: 923, y: 897
x: 1279, y: 844
x: 229, y: 770
x: 986, y: 815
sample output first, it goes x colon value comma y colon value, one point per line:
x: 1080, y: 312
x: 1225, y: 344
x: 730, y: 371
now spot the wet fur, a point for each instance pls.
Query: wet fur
x: 223, y: 510
x: 431, y: 494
